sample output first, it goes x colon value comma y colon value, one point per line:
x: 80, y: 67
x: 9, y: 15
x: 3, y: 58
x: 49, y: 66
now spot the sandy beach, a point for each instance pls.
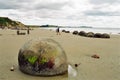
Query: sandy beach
x: 78, y: 50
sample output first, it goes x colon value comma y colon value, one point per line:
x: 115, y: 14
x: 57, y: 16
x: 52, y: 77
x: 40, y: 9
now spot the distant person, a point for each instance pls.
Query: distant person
x: 18, y: 31
x: 58, y: 31
x: 28, y: 31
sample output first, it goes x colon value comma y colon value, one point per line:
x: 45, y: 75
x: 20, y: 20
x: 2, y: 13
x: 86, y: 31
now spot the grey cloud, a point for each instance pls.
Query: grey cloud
x: 101, y: 13
x: 8, y: 4
x: 40, y: 8
x: 102, y: 8
x: 49, y: 14
x: 31, y: 4
x: 55, y: 6
x: 104, y: 1
x: 76, y: 16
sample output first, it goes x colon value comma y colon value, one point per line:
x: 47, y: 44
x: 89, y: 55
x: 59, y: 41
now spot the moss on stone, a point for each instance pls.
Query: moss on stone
x: 43, y: 60
x: 32, y: 59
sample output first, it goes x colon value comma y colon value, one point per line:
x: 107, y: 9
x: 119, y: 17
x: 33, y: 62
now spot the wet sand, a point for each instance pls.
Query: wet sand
x: 78, y: 50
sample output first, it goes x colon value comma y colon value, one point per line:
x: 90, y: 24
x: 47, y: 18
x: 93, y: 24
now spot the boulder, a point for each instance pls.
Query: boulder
x: 75, y: 32
x: 105, y: 35
x: 44, y: 57
x: 90, y: 34
x: 67, y: 31
x: 63, y: 30
x: 82, y: 33
x: 98, y: 35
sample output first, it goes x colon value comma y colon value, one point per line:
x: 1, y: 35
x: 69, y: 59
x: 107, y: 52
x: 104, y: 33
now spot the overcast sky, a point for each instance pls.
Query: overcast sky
x: 97, y: 13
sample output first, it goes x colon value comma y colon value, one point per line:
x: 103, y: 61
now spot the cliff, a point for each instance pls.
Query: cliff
x: 6, y: 22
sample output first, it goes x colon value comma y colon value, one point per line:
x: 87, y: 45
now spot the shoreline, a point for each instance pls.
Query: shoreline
x: 95, y: 30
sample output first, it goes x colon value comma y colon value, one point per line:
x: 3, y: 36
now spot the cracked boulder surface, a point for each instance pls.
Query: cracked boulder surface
x: 44, y: 57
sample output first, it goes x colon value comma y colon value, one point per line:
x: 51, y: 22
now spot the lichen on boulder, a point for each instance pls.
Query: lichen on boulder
x: 44, y: 57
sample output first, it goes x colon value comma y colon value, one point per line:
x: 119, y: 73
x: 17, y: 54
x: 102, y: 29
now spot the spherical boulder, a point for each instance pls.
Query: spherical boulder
x: 105, y: 35
x: 75, y: 32
x: 90, y: 34
x: 44, y: 57
x: 63, y: 30
x: 98, y: 35
x: 82, y: 33
x: 67, y: 31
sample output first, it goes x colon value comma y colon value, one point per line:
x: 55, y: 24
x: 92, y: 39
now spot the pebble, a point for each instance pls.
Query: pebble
x: 12, y: 68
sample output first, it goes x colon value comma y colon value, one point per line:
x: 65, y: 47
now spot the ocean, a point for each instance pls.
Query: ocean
x: 95, y: 30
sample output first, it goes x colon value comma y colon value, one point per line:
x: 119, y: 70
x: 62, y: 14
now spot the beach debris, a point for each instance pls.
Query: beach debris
x: 44, y: 57
x: 95, y: 56
x: 12, y: 68
x: 72, y: 71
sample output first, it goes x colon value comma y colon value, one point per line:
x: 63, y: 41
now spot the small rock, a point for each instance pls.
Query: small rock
x: 12, y: 68
x: 76, y: 65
